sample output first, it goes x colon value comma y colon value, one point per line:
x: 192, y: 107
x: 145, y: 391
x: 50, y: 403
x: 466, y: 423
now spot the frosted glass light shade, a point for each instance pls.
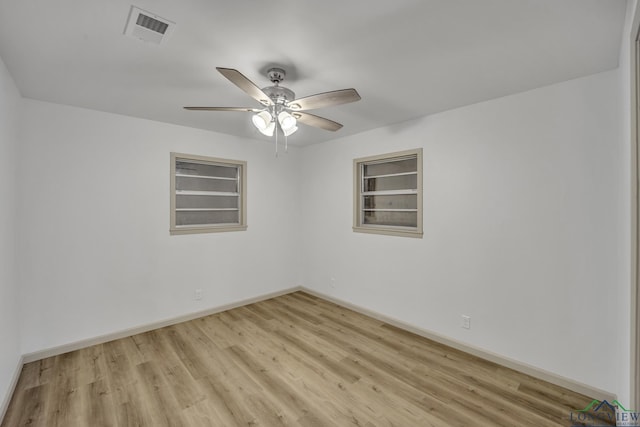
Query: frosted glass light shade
x: 289, y: 131
x: 262, y: 120
x: 268, y: 131
x: 287, y: 122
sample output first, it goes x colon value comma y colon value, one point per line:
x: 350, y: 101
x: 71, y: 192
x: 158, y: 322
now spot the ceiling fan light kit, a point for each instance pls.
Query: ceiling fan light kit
x: 281, y: 110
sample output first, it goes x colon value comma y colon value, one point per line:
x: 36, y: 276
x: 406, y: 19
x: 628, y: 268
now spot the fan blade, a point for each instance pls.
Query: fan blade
x: 325, y: 99
x: 317, y: 121
x: 243, y: 109
x: 238, y: 79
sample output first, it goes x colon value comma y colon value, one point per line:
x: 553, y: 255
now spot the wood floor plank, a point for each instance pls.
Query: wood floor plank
x: 156, y: 395
x: 294, y: 360
x: 96, y: 404
x: 119, y: 372
x: 127, y: 414
x: 34, y: 412
x: 205, y: 414
x: 64, y: 404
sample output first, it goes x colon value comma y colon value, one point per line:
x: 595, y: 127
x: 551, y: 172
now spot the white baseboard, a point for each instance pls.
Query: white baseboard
x: 12, y: 386
x: 77, y: 345
x: 535, y: 372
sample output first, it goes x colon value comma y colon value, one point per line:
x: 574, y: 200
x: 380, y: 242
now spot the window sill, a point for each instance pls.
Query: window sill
x: 200, y: 230
x: 389, y: 231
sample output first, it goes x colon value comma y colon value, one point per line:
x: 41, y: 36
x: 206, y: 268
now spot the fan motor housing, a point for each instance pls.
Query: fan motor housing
x: 279, y: 94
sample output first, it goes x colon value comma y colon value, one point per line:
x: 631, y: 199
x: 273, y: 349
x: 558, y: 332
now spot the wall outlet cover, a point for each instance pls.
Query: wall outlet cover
x: 466, y: 322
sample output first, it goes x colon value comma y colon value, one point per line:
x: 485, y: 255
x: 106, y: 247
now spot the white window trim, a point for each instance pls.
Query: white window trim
x: 357, y: 199
x: 213, y: 228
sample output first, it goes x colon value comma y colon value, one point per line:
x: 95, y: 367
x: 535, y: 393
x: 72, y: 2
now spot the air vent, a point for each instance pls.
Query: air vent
x: 148, y: 27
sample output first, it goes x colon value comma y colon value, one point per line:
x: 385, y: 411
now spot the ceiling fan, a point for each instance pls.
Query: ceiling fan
x: 280, y: 108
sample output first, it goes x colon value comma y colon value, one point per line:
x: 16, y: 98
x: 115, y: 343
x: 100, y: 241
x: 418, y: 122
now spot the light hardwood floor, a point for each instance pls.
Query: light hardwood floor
x: 293, y: 360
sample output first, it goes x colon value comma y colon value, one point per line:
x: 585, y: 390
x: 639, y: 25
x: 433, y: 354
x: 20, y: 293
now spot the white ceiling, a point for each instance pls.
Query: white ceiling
x: 406, y: 58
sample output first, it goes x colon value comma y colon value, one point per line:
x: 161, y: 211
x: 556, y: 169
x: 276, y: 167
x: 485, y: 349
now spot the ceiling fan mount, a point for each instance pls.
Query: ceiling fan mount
x: 276, y: 75
x: 281, y: 110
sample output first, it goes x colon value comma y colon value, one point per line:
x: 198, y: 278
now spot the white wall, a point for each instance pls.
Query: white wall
x: 623, y: 363
x: 95, y: 254
x: 524, y: 227
x: 9, y: 329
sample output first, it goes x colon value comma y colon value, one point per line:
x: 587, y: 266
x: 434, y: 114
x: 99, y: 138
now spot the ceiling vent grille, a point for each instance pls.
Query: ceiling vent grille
x: 148, y: 27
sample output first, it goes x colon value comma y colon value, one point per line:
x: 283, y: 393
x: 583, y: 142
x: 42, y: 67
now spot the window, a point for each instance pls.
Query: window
x: 388, y: 194
x: 207, y: 194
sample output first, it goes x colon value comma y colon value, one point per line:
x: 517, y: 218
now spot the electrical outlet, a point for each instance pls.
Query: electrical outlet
x: 466, y: 322
x: 197, y: 294
x: 333, y: 282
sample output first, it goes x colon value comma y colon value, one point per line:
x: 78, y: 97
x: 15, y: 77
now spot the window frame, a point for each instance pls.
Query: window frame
x: 241, y: 225
x: 390, y: 230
